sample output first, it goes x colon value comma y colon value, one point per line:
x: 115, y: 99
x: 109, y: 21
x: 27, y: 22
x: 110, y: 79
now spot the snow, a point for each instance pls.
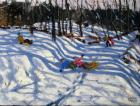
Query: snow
x: 30, y: 76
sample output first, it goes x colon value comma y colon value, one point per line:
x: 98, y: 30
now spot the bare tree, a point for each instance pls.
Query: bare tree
x: 80, y: 20
x: 63, y: 30
x: 52, y: 15
x: 128, y: 14
x: 70, y: 19
x: 59, y: 18
x: 134, y: 5
x: 67, y: 14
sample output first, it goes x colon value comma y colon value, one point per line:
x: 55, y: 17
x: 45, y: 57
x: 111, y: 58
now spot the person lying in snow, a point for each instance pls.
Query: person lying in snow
x: 21, y: 40
x: 78, y: 62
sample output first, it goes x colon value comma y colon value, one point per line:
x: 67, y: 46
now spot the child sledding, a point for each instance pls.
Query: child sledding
x: 77, y: 63
x: 23, y: 41
x: 109, y: 41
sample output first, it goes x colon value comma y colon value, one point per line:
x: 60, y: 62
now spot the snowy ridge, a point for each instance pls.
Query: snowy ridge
x: 29, y: 75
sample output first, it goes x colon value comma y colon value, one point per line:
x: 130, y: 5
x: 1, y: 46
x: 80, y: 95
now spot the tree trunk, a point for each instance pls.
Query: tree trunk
x: 81, y: 20
x: 63, y: 30
x: 70, y: 22
x: 81, y: 31
x: 52, y: 15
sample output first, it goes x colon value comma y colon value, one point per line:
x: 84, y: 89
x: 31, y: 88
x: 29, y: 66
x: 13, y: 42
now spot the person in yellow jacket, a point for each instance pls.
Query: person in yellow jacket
x: 20, y: 39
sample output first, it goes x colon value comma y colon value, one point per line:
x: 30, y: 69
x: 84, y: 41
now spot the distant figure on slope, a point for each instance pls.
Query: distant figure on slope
x: 109, y: 41
x: 21, y: 39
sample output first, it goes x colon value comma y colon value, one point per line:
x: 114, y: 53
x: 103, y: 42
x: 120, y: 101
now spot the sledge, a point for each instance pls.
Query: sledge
x: 26, y: 44
x: 91, y: 65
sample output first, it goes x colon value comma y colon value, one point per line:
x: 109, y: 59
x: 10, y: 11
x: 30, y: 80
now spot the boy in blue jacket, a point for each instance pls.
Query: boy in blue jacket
x: 64, y: 64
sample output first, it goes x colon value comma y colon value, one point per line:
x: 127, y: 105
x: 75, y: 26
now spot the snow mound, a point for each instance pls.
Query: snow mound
x: 29, y: 75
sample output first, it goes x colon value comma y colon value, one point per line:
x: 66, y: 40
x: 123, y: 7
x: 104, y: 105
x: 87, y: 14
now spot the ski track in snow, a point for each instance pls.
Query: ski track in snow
x: 30, y: 72
x: 69, y: 91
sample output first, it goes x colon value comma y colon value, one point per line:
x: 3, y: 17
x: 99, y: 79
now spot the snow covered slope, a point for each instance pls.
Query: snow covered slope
x: 29, y: 75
